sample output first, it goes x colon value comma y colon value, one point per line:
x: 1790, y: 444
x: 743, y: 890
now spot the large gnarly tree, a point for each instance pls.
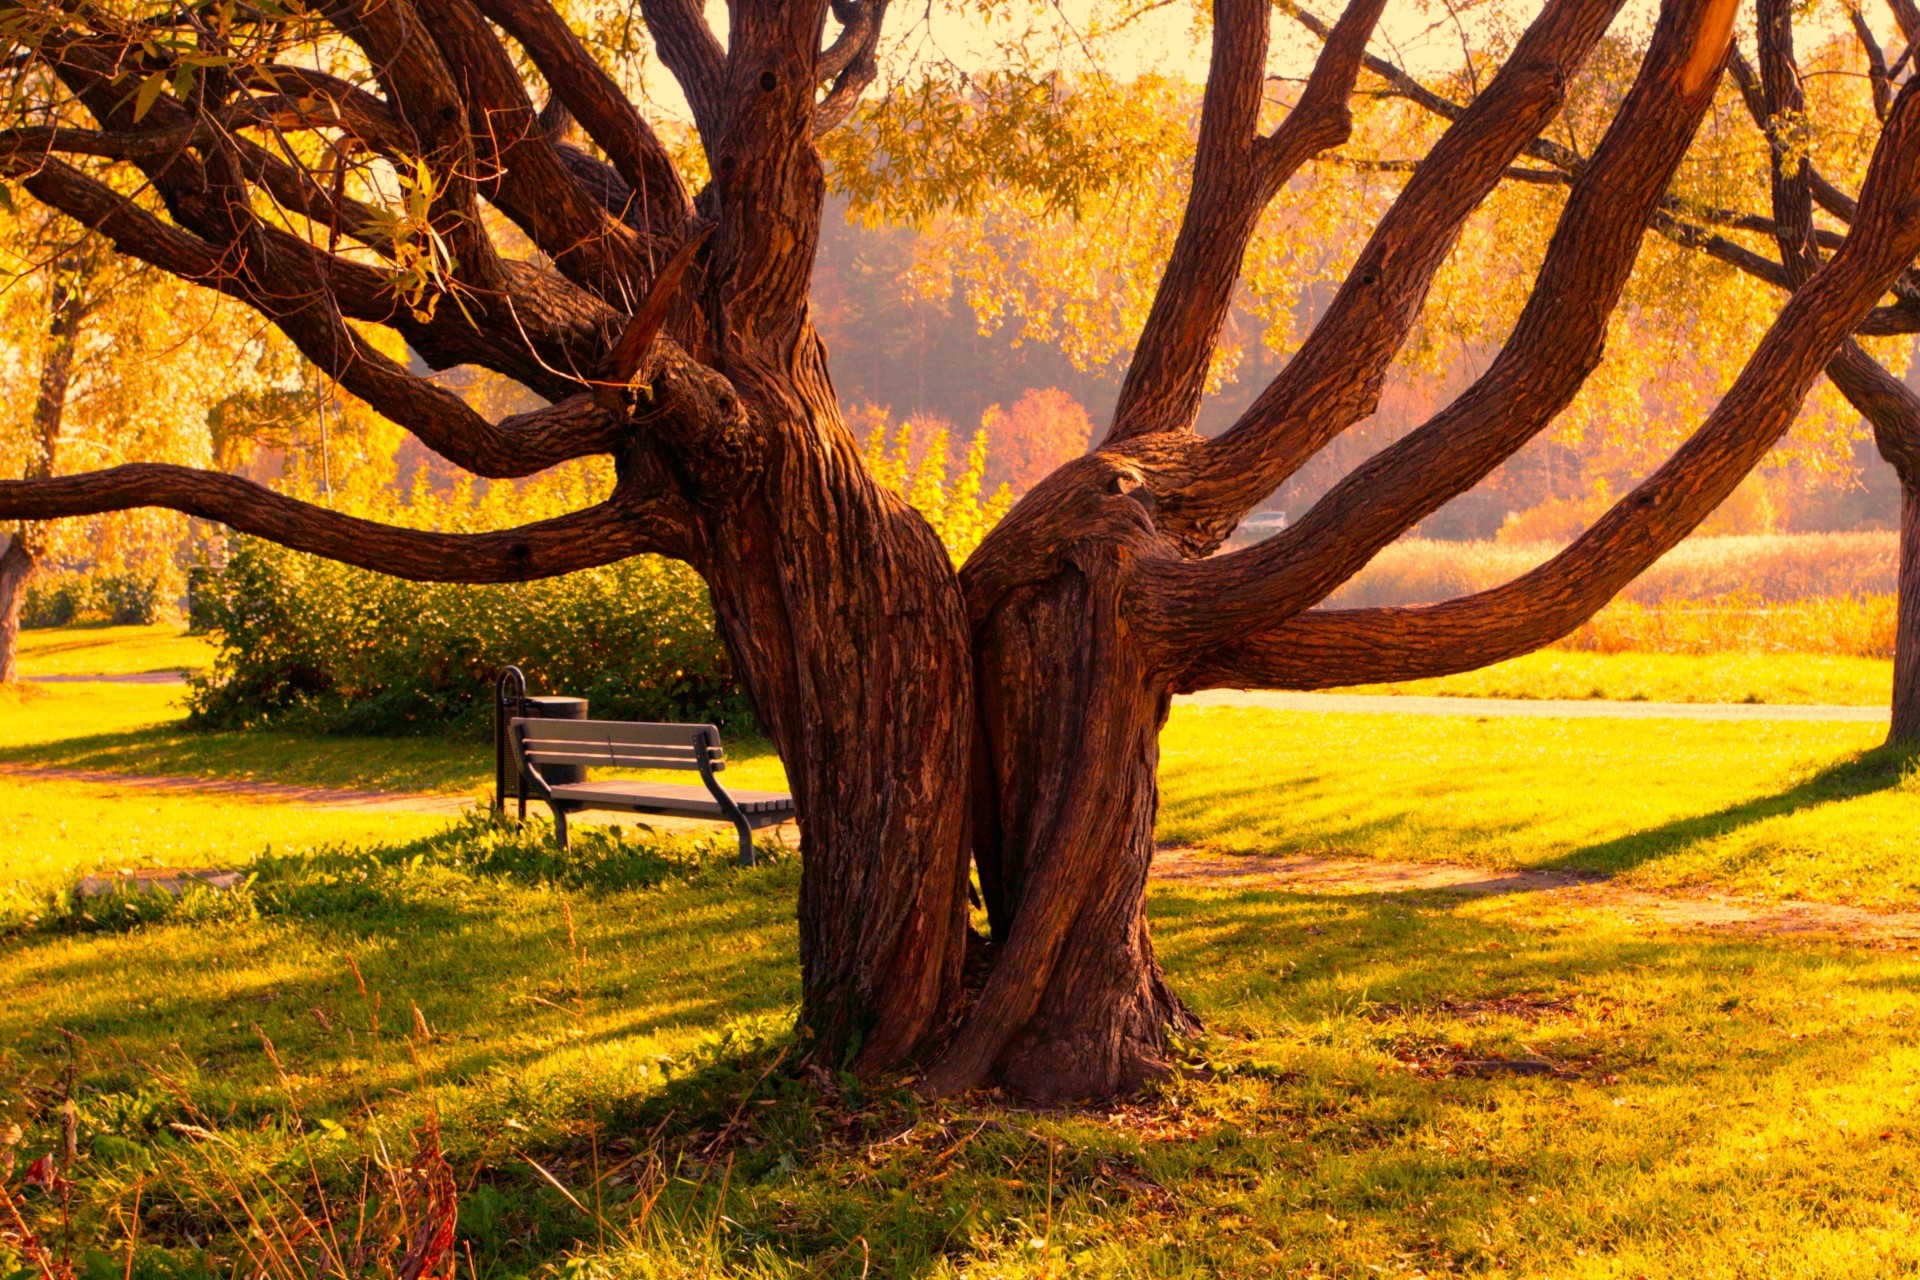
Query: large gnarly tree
x: 1009, y: 713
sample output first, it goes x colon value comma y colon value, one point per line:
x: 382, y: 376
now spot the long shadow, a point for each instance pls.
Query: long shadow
x: 320, y: 760
x: 1208, y: 811
x: 1879, y: 769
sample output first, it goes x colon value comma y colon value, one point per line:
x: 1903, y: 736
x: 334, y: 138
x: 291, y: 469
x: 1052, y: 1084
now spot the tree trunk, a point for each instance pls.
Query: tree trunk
x: 16, y: 566
x: 1905, y: 729
x: 842, y: 615
x: 1065, y: 800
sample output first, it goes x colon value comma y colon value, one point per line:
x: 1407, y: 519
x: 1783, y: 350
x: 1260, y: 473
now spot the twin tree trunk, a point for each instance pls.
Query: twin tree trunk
x: 1005, y: 717
x: 916, y: 743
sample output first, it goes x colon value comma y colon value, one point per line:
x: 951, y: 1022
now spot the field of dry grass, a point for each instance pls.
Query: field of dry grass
x: 1829, y: 593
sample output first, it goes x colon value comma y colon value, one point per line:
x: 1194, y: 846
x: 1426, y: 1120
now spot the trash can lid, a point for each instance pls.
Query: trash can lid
x: 558, y: 708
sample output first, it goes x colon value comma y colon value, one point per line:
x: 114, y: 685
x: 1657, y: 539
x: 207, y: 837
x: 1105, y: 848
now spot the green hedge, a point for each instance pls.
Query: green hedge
x: 309, y: 643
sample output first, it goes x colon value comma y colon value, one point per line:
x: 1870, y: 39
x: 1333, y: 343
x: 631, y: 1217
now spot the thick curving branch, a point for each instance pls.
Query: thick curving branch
x: 849, y: 63
x: 612, y: 530
x: 521, y: 172
x: 590, y: 94
x: 1236, y: 174
x: 769, y: 185
x: 1335, y: 379
x: 305, y: 309
x: 1336, y: 647
x: 688, y: 47
x: 1554, y: 347
x: 400, y: 48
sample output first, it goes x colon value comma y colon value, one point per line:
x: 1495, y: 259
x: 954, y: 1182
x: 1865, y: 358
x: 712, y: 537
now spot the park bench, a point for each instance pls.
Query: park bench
x: 576, y: 745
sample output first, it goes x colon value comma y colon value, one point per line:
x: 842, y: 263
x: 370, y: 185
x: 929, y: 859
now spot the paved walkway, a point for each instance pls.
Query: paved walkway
x: 1552, y: 708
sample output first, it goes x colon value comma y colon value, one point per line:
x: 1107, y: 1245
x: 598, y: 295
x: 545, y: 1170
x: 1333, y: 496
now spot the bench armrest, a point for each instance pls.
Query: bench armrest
x: 702, y: 749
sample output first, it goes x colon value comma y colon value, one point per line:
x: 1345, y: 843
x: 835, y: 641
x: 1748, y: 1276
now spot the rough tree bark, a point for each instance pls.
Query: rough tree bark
x: 16, y: 566
x: 669, y: 330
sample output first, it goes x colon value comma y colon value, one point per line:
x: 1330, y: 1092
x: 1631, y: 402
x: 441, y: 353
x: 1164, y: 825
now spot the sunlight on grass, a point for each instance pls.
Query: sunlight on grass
x: 1704, y: 1099
x: 53, y: 830
x: 112, y: 651
x: 1775, y: 808
x: 1699, y: 1105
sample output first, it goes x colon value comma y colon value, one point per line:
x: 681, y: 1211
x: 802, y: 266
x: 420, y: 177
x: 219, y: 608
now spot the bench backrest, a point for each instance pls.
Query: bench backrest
x: 626, y: 744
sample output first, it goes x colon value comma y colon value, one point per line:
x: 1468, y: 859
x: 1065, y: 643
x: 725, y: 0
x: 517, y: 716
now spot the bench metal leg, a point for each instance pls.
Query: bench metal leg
x: 746, y: 839
x: 560, y: 825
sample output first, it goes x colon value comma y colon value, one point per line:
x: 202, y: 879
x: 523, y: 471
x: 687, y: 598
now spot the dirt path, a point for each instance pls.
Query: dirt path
x: 1337, y: 877
x: 1550, y: 708
x: 1678, y: 909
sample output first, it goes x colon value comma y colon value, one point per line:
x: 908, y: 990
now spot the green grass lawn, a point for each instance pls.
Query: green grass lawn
x: 112, y: 651
x: 1775, y: 809
x: 1719, y: 1106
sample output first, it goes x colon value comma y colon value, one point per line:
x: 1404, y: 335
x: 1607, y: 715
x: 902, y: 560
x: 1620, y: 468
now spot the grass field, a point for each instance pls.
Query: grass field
x: 112, y: 651
x: 1716, y: 1107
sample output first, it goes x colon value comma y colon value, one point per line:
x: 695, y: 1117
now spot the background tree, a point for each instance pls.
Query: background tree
x: 340, y: 171
x: 111, y: 360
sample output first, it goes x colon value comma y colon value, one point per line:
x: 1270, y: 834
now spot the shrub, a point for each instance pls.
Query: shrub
x: 313, y: 643
x: 60, y: 599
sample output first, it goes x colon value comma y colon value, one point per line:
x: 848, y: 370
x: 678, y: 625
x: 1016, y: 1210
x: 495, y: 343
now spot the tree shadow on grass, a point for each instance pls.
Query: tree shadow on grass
x: 1199, y: 810
x: 749, y: 1166
x: 1881, y: 768
x: 399, y: 764
x: 1306, y: 1111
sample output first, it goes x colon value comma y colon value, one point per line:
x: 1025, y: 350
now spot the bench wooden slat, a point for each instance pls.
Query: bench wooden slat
x: 670, y: 797
x: 635, y: 745
x: 628, y: 732
x: 638, y: 758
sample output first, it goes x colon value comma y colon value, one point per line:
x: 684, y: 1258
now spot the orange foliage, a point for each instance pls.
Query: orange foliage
x: 1045, y: 428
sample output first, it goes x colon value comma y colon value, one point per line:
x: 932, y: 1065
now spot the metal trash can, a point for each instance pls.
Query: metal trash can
x: 511, y: 700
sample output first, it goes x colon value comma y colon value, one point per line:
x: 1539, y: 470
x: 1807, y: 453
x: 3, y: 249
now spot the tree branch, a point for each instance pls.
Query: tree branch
x: 695, y: 58
x: 1335, y: 378
x: 612, y: 530
x: 308, y: 314
x: 1236, y: 174
x: 522, y: 173
x: 1553, y: 348
x: 849, y: 63
x: 1320, y: 649
x: 600, y: 106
